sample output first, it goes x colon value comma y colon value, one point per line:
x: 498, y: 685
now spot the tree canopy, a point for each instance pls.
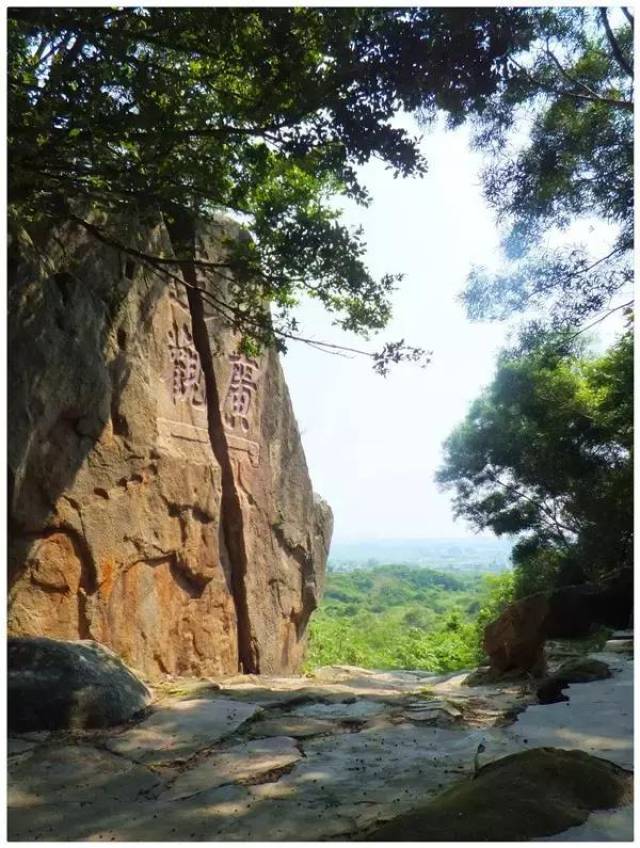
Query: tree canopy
x: 570, y: 97
x: 545, y: 453
x: 264, y: 113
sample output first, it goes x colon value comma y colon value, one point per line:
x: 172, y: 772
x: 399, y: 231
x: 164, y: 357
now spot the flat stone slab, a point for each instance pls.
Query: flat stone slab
x: 19, y: 746
x: 241, y: 763
x: 597, y: 718
x: 143, y: 820
x: 180, y: 730
x: 319, y: 761
x: 361, y: 709
x: 299, y: 727
x: 347, y: 782
x: 624, y: 646
x: 72, y: 773
x: 433, y: 714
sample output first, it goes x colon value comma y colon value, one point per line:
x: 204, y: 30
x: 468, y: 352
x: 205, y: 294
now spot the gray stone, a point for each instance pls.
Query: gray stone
x: 597, y: 718
x: 19, y: 746
x: 178, y: 731
x: 298, y: 727
x: 250, y: 761
x: 56, y: 685
x: 73, y: 775
x: 361, y: 709
x: 622, y: 646
x: 324, y: 786
x: 582, y: 670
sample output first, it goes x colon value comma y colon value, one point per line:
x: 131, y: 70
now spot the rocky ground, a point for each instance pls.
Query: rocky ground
x: 331, y: 756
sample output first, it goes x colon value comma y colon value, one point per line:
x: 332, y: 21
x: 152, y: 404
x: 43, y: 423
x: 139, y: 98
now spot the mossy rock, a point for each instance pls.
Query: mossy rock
x: 578, y: 670
x: 583, y: 670
x: 535, y: 793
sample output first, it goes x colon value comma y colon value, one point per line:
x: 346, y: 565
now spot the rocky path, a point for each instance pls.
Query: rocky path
x: 298, y: 758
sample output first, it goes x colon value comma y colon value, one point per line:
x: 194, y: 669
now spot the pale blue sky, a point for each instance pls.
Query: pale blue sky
x: 374, y: 444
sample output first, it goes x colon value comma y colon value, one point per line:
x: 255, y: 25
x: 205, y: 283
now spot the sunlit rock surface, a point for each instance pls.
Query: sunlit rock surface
x: 159, y: 497
x: 307, y: 758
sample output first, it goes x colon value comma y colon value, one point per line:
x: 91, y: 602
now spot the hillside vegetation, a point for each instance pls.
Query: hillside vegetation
x: 394, y: 616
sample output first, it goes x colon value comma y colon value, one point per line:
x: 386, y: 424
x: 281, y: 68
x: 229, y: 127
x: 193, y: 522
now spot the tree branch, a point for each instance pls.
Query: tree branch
x: 547, y: 514
x: 599, y: 320
x: 627, y: 105
x: 158, y: 264
x: 571, y: 79
x: 615, y: 47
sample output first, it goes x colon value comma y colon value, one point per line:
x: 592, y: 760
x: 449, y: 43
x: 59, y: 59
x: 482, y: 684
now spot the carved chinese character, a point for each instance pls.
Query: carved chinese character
x: 244, y: 373
x: 186, y: 375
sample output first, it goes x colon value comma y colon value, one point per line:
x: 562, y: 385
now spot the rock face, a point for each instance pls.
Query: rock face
x: 515, y: 641
x: 159, y: 497
x: 56, y: 685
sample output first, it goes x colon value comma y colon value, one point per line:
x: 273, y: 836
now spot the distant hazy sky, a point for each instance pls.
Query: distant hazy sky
x: 373, y: 444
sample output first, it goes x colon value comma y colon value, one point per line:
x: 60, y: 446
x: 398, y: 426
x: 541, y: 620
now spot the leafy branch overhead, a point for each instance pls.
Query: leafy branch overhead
x: 268, y: 113
x: 573, y: 93
x: 264, y: 113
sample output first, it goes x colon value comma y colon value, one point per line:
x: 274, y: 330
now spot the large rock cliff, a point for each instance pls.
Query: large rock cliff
x: 159, y: 497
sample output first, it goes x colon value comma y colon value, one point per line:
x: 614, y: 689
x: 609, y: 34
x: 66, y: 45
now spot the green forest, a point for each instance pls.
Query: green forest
x: 395, y: 616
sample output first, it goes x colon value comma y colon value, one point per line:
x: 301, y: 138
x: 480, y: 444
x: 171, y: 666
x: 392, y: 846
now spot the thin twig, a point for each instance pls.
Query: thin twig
x: 627, y: 105
x: 571, y: 79
x: 599, y: 320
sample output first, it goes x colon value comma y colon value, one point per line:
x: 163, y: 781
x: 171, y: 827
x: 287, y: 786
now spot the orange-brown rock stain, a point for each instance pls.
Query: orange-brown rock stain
x: 44, y: 599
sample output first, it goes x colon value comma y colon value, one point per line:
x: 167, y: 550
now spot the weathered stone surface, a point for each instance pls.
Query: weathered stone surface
x: 74, y: 774
x: 345, y: 711
x: 241, y: 763
x: 63, y: 791
x: 177, y: 732
x: 597, y: 718
x: 298, y: 727
x: 54, y: 685
x: 19, y: 746
x: 335, y: 785
x: 622, y: 646
x: 146, y: 513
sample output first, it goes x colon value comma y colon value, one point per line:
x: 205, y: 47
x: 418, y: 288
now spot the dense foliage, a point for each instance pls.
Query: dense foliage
x: 546, y: 453
x: 265, y: 113
x: 560, y: 135
x: 397, y: 616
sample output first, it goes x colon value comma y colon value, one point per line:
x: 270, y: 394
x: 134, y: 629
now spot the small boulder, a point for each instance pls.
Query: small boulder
x: 577, y: 670
x: 525, y: 796
x: 583, y: 670
x: 55, y: 685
